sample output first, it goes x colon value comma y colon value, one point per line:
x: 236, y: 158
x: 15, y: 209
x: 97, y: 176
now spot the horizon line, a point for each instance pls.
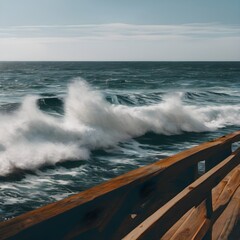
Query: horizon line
x: 119, y: 60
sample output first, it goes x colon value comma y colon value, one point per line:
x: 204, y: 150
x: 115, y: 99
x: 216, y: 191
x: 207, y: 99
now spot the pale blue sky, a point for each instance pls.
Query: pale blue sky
x: 119, y: 30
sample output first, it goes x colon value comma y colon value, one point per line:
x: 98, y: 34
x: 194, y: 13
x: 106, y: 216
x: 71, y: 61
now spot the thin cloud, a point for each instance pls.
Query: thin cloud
x: 119, y: 31
x: 121, y: 42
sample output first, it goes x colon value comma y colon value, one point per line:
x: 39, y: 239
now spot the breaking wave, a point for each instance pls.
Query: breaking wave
x: 31, y: 138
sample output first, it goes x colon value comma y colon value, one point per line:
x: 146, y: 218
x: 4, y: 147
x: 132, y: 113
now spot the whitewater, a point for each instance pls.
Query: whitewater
x: 67, y: 126
x: 31, y: 138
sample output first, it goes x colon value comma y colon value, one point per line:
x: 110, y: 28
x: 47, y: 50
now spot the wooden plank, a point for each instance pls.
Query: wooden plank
x: 187, y: 224
x: 203, y: 229
x: 158, y: 223
x: 140, y: 192
x: 229, y: 189
x: 216, y: 192
x: 168, y: 235
x: 222, y: 194
x: 192, y: 224
x: 226, y: 222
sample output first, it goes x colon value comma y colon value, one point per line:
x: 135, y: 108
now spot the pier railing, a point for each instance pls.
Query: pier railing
x: 168, y: 199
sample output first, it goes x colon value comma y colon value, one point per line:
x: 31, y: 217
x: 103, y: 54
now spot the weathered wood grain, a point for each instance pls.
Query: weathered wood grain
x: 171, y: 232
x: 194, y: 225
x: 158, y: 223
x: 229, y: 218
x: 228, y: 190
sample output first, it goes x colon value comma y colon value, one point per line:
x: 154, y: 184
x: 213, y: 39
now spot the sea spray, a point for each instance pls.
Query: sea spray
x: 31, y: 138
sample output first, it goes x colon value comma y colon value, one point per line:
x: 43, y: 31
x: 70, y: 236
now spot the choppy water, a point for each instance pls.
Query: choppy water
x: 66, y: 126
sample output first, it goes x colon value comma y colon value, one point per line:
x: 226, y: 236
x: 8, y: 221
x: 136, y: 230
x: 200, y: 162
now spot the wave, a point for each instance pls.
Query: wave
x: 9, y: 107
x: 31, y: 138
x: 51, y: 105
x: 208, y: 94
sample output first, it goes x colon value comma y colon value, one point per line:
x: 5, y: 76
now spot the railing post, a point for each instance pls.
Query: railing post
x: 209, y: 164
x: 224, y: 152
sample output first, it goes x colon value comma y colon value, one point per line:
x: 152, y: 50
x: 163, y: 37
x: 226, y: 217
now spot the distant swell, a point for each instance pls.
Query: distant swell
x: 31, y: 138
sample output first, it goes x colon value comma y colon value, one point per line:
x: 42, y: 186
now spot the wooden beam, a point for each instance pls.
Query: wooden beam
x: 228, y: 190
x: 158, y: 223
x: 194, y: 225
x: 229, y: 218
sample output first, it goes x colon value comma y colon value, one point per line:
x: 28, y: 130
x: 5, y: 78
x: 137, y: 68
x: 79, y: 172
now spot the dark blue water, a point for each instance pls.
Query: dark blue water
x: 67, y: 126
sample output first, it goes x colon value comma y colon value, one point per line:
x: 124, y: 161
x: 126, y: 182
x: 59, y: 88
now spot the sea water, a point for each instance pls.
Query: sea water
x: 67, y: 126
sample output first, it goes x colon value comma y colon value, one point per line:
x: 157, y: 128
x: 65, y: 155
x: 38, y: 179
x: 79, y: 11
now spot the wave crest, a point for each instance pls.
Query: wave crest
x: 31, y: 138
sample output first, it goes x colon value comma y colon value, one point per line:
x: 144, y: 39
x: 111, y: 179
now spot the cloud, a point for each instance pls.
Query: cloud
x: 120, y: 31
x: 121, y: 42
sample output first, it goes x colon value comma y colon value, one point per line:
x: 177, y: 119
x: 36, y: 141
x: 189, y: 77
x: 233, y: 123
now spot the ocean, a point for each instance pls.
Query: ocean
x: 67, y: 126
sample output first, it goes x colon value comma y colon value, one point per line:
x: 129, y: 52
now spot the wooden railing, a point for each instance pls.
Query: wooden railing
x: 158, y: 201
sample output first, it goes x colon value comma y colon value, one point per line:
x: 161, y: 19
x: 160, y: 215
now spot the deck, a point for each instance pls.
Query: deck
x: 169, y: 199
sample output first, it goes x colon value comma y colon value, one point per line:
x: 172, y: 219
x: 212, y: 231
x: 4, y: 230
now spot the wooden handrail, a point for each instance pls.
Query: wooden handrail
x: 113, y: 209
x: 158, y: 223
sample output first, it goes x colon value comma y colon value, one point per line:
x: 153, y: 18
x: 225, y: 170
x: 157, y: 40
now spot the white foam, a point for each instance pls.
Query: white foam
x: 31, y: 138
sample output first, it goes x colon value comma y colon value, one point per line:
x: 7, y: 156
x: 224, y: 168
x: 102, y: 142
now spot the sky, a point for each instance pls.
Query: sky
x: 111, y: 30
